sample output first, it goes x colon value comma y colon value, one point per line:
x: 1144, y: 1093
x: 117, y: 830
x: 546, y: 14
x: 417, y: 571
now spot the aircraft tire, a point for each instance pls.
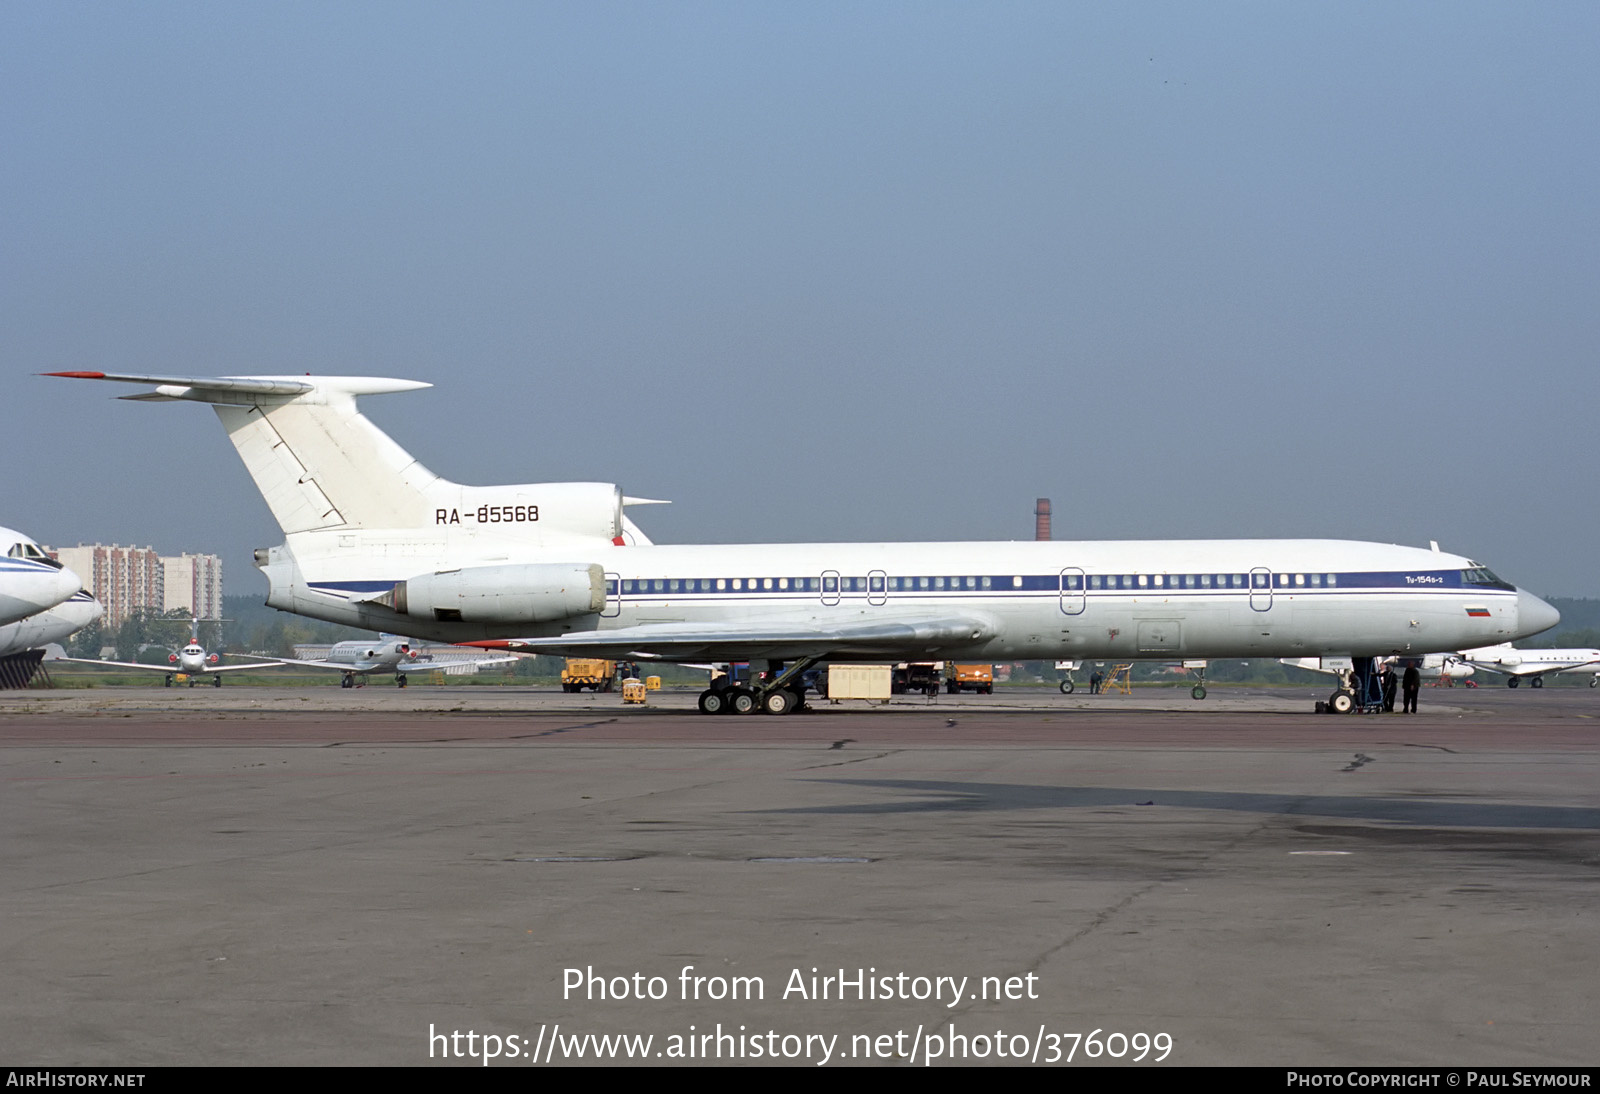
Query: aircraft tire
x: 216, y: 681
x: 1536, y: 682
x: 169, y: 680
x: 779, y: 701
x: 741, y: 700
x: 1512, y: 681
x: 347, y: 681
x: 713, y: 701
x: 1593, y: 680
x: 399, y: 680
x: 1199, y: 691
x: 1067, y: 687
x: 1341, y: 702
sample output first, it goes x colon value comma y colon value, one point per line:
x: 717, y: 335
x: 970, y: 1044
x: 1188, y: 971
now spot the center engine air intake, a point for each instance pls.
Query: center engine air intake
x: 534, y: 593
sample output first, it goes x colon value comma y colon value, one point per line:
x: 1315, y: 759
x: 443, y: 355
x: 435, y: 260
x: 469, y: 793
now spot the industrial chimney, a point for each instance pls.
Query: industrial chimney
x: 1041, y: 519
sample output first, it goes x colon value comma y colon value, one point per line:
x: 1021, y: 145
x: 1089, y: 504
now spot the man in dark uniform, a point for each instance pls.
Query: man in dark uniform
x: 1391, y: 684
x: 1411, y: 684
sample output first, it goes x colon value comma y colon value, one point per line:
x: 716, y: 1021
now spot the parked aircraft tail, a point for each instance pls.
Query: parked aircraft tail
x: 322, y: 466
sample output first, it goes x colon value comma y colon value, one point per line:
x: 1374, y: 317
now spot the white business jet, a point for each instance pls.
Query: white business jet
x: 1444, y: 665
x: 375, y: 540
x: 22, y: 643
x: 190, y: 661
x: 388, y: 654
x: 30, y: 580
x: 1533, y: 665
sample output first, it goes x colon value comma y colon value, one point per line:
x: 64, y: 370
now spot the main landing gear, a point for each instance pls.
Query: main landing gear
x: 1362, y: 693
x: 783, y: 694
x: 348, y: 680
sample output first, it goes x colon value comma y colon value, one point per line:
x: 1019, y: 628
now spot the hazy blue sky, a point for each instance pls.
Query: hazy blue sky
x: 827, y: 271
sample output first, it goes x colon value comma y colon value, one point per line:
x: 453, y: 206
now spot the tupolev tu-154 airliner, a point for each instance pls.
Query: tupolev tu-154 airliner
x: 373, y: 539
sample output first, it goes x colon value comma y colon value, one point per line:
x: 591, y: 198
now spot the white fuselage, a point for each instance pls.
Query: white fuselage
x: 192, y: 659
x: 370, y: 657
x: 1515, y: 662
x: 30, y: 581
x: 376, y: 540
x: 52, y: 625
x: 1178, y: 598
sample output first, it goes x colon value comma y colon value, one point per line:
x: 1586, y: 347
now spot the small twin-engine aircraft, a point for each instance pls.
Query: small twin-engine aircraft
x: 1533, y: 665
x: 190, y: 661
x: 388, y: 654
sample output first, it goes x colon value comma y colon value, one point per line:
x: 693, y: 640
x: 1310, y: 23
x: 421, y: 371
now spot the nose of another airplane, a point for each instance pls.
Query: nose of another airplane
x: 1534, y: 615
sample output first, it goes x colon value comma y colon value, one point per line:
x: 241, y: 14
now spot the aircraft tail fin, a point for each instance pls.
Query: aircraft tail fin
x: 317, y: 461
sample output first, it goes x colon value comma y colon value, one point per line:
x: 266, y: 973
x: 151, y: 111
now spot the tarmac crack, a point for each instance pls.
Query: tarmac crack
x: 853, y: 760
x: 562, y: 729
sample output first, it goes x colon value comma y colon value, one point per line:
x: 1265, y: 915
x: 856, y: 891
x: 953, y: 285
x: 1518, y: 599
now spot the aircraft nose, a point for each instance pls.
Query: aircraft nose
x: 82, y: 612
x: 1534, y: 615
x: 47, y: 589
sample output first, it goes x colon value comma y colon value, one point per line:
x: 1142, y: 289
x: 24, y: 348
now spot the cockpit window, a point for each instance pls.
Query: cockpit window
x: 24, y: 549
x: 1482, y: 575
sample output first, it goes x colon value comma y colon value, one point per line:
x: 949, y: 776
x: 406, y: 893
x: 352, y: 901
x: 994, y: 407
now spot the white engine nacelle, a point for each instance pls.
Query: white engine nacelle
x: 533, y: 593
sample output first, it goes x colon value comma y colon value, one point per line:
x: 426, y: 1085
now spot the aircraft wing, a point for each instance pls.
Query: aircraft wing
x: 173, y: 668
x: 252, y: 665
x: 441, y: 666
x: 338, y: 666
x: 176, y: 387
x: 679, y: 642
